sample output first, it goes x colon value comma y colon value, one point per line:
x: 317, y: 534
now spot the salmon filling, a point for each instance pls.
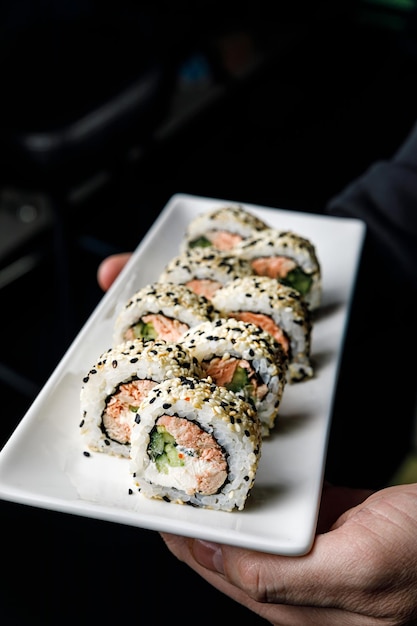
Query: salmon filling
x: 156, y: 326
x: 204, y: 287
x: 220, y: 239
x: 186, y: 457
x: 266, y: 323
x: 236, y: 375
x: 274, y: 267
x: 284, y: 269
x: 119, y: 414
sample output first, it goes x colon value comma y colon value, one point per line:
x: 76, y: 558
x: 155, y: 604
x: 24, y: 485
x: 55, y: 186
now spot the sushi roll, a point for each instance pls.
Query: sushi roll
x: 195, y: 443
x: 221, y: 228
x: 277, y: 309
x: 117, y: 383
x: 204, y: 270
x: 287, y: 257
x: 243, y: 358
x: 161, y: 311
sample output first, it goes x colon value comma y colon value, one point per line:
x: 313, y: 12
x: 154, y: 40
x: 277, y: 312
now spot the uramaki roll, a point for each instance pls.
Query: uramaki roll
x: 195, y: 443
x: 221, y: 228
x: 277, y: 309
x: 286, y: 256
x: 204, y: 270
x: 114, y: 387
x: 245, y: 359
x: 161, y: 310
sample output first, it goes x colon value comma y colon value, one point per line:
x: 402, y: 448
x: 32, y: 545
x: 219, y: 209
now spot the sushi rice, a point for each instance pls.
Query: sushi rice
x: 116, y: 384
x: 276, y: 308
x: 286, y: 256
x: 244, y: 358
x: 195, y: 443
x: 204, y: 270
x: 161, y: 310
x: 221, y: 228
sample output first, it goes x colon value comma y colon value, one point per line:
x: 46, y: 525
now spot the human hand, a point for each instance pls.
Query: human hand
x: 361, y: 571
x: 110, y: 268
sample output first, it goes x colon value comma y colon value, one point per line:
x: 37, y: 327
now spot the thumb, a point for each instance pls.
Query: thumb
x: 314, y: 579
x: 110, y: 268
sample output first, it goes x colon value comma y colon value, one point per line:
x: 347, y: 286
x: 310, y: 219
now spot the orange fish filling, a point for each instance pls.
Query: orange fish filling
x: 120, y: 411
x: 202, y: 457
x: 266, y: 323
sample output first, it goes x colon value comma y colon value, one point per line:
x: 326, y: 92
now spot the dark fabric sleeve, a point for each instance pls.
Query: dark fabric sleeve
x: 385, y: 198
x: 373, y: 421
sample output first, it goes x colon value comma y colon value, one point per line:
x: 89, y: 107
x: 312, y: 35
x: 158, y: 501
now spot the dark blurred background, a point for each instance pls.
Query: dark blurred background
x: 106, y: 110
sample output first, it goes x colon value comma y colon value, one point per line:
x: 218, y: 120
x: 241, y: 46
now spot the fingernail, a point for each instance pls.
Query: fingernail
x: 209, y: 555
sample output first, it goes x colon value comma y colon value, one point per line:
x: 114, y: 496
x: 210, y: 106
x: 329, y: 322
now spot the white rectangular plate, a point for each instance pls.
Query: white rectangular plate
x: 43, y: 464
